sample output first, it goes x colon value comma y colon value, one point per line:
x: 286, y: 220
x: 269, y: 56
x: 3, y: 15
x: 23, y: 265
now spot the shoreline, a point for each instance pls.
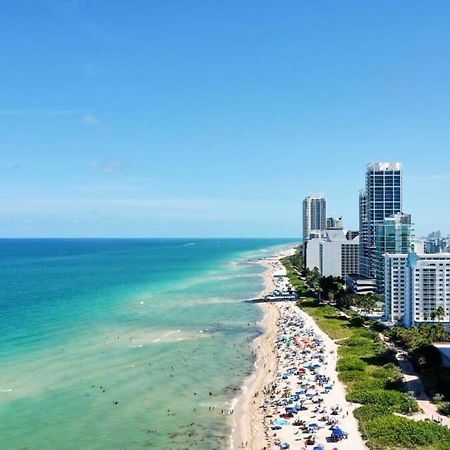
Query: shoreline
x: 248, y: 426
x: 251, y: 428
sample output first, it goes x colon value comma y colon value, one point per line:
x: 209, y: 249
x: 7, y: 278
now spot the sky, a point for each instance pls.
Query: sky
x: 165, y: 118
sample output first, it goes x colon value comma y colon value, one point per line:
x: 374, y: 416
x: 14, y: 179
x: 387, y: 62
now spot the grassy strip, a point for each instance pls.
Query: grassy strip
x: 297, y: 283
x: 373, y: 379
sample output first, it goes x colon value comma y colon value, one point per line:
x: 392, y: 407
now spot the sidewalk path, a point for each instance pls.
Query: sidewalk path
x: 414, y: 384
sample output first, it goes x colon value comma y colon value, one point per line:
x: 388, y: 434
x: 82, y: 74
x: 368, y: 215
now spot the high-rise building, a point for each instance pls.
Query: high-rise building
x: 394, y: 287
x: 333, y: 255
x: 314, y: 217
x: 417, y: 288
x: 427, y: 289
x: 436, y: 244
x: 381, y: 198
x: 391, y: 236
x: 435, y: 235
x: 363, y: 247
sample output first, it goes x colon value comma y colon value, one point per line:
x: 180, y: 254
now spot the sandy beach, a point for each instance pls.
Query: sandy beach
x: 249, y: 430
x: 295, y: 372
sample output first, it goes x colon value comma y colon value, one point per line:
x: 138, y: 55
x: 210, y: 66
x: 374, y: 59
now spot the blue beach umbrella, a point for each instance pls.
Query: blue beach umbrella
x: 338, y: 432
x: 281, y: 422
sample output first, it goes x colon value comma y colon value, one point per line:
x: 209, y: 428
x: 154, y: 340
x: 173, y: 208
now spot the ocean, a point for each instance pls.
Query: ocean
x: 125, y: 343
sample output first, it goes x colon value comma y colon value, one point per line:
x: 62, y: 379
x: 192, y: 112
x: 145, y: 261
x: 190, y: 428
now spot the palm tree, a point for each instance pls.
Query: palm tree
x: 369, y: 303
x: 440, y: 313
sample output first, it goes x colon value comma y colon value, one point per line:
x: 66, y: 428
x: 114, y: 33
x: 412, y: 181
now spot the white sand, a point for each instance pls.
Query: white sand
x: 252, y: 427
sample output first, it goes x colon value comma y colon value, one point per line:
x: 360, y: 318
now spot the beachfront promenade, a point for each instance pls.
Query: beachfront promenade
x: 294, y: 399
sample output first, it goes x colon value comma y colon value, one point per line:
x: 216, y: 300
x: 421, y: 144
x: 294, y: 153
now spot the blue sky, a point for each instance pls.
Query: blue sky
x: 216, y: 118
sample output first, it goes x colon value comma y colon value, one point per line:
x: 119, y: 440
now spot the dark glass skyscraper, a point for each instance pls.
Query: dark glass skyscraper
x: 393, y: 236
x: 381, y: 198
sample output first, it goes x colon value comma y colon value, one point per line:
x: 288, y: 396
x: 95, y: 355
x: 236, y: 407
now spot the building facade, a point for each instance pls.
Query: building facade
x: 417, y: 288
x: 363, y: 247
x: 395, y: 287
x: 391, y: 236
x: 333, y: 255
x: 381, y: 198
x: 312, y: 253
x: 360, y: 284
x: 314, y: 217
x: 427, y: 289
x: 437, y: 245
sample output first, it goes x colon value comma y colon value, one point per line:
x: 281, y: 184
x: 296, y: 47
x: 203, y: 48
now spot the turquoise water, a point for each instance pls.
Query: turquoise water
x: 115, y: 344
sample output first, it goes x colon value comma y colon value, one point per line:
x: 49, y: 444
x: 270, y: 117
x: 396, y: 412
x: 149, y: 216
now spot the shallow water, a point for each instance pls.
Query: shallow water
x: 114, y: 344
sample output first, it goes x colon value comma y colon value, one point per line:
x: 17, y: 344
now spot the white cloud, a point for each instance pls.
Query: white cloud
x: 90, y: 119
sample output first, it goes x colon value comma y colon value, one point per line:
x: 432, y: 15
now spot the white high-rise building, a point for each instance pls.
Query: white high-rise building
x: 381, y: 198
x: 314, y: 217
x: 312, y: 253
x: 427, y: 289
x: 417, y: 288
x: 333, y: 255
x: 395, y: 287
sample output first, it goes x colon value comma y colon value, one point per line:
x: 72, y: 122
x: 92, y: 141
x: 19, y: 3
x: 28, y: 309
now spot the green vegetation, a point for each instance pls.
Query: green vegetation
x: 426, y: 359
x: 330, y: 289
x: 412, y: 338
x: 386, y: 431
x: 300, y: 278
x: 393, y: 401
x: 372, y: 378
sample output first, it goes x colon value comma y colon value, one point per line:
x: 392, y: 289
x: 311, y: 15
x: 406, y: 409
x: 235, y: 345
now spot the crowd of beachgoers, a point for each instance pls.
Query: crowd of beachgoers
x: 304, y: 408
x: 298, y: 402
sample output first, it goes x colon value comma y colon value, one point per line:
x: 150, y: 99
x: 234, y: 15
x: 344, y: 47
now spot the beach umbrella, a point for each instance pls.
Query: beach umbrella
x: 338, y: 432
x: 281, y: 422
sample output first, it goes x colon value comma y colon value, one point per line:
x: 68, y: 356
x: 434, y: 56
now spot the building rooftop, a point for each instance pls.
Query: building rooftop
x: 384, y: 166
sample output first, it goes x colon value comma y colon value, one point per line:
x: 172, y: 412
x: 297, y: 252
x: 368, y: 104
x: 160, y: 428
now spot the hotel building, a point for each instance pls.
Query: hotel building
x: 333, y: 255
